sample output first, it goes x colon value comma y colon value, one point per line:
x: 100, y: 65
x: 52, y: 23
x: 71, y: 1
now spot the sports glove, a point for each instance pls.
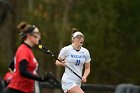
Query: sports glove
x: 50, y: 78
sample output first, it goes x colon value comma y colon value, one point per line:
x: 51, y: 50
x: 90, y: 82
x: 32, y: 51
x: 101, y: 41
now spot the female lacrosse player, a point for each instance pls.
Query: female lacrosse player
x: 25, y: 64
x: 74, y: 56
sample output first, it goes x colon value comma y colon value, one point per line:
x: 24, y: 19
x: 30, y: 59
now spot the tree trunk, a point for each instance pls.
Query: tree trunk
x: 7, y: 36
x: 62, y: 33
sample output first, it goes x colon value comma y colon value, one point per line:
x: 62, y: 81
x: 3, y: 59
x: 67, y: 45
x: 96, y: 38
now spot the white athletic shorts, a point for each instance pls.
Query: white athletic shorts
x: 67, y: 85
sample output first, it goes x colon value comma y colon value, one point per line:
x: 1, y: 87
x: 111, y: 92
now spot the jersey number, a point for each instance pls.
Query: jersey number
x: 77, y: 62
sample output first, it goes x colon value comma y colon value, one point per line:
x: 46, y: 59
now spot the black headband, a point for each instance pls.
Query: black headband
x: 29, y: 30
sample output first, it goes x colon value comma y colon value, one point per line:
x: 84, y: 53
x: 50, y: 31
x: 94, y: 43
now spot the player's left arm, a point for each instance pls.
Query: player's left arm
x: 86, y: 72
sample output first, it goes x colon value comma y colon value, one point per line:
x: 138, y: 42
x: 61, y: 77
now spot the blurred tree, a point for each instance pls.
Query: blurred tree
x: 7, y: 36
x: 111, y: 29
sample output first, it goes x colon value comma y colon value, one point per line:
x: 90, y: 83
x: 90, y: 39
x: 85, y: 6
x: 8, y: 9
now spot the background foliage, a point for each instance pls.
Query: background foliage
x: 111, y: 29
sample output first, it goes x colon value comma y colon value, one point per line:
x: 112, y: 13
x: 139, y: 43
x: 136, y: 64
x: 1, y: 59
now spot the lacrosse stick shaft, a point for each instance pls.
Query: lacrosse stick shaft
x: 47, y: 51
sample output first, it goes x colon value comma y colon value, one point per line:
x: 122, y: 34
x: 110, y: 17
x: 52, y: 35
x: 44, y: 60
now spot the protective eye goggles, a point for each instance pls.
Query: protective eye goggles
x: 79, y: 36
x: 36, y: 34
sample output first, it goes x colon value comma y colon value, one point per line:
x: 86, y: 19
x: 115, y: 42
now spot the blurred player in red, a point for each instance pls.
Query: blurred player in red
x: 7, y: 78
x: 25, y: 63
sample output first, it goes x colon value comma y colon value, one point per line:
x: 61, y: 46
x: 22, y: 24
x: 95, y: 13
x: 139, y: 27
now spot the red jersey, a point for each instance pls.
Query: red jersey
x: 8, y: 77
x: 19, y: 82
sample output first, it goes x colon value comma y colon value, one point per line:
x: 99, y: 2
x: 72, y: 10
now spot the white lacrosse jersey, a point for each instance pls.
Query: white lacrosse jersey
x: 75, y: 60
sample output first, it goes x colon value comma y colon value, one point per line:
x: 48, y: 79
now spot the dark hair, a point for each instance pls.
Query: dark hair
x: 24, y: 29
x: 74, y: 30
x: 23, y: 26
